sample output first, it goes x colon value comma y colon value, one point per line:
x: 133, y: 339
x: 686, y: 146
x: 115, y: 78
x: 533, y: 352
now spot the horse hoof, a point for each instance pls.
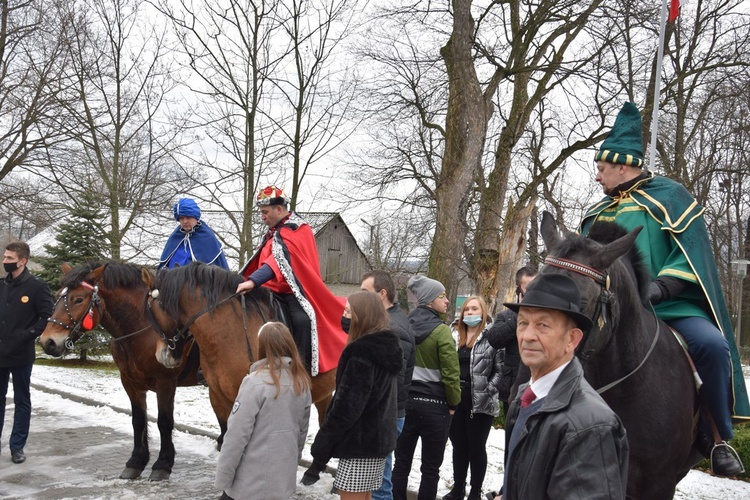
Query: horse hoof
x: 130, y: 473
x: 159, y: 475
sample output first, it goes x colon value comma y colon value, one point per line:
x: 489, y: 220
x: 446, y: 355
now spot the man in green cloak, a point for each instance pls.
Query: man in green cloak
x: 685, y: 292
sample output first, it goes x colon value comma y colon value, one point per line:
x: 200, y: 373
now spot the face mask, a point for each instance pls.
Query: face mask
x: 346, y: 323
x: 10, y: 266
x: 472, y: 320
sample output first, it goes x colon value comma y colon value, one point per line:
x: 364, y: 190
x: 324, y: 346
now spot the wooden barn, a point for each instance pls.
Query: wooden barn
x: 341, y: 259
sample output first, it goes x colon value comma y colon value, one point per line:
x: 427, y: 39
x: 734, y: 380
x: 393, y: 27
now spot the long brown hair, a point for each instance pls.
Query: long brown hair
x: 368, y: 315
x: 274, y: 342
x: 463, y: 330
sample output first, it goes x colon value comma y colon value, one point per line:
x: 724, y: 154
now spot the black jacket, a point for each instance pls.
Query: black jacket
x: 400, y: 326
x: 502, y: 335
x: 574, y: 446
x: 361, y: 420
x: 25, y: 306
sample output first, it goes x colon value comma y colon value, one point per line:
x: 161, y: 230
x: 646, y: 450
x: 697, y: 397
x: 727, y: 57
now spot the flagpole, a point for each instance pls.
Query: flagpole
x: 657, y: 85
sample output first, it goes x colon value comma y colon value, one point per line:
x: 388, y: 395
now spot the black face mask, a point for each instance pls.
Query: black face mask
x: 346, y: 323
x: 10, y: 266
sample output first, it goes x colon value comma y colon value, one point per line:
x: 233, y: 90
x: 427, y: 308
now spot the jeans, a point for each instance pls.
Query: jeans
x: 469, y: 433
x: 430, y: 422
x: 710, y: 353
x: 385, y: 492
x: 22, y: 399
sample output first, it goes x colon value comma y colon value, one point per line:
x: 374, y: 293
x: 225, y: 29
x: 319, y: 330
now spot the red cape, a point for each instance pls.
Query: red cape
x: 291, y: 253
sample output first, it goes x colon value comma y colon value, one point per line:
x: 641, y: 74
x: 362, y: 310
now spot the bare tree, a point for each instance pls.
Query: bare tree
x: 114, y: 115
x: 32, y: 60
x: 270, y: 100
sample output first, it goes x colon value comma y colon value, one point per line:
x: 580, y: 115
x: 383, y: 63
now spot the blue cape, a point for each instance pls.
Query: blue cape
x: 201, y: 245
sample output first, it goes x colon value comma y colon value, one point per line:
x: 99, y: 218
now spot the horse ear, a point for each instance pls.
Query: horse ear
x: 96, y: 274
x: 66, y: 268
x: 548, y: 229
x: 148, y: 278
x: 612, y: 251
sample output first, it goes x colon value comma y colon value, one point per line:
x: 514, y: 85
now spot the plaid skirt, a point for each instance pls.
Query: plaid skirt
x: 359, y: 474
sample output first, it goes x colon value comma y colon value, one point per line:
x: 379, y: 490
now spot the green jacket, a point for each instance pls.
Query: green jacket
x: 436, y: 371
x: 674, y: 242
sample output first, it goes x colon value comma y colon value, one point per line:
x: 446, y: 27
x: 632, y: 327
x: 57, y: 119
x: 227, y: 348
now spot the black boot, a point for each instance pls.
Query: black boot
x: 725, y: 461
x: 457, y: 493
x: 475, y: 493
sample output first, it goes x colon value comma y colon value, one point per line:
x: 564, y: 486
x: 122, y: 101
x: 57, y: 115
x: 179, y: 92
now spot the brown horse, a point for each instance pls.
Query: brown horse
x: 199, y: 300
x: 115, y: 295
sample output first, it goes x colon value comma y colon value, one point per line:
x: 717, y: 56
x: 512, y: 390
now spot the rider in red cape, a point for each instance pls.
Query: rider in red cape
x: 287, y: 263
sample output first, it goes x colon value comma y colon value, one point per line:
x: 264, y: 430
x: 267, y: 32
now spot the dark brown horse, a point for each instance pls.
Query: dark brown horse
x: 115, y: 295
x: 201, y: 300
x: 629, y: 355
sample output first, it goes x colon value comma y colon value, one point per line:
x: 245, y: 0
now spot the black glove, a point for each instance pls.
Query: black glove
x: 655, y: 293
x: 664, y: 288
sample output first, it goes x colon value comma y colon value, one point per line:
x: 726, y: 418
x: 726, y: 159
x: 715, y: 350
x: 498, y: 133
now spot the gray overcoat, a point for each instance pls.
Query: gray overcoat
x: 264, y: 439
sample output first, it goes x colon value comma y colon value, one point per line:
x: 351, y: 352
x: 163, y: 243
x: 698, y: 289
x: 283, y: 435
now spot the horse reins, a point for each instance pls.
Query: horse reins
x: 183, y: 333
x: 603, y: 309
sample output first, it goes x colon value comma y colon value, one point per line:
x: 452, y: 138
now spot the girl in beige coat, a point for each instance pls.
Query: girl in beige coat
x: 267, y: 428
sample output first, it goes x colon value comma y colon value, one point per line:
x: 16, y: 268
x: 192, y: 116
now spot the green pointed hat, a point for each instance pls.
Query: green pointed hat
x: 624, y: 144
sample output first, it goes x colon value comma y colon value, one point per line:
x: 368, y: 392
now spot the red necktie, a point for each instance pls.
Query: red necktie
x: 527, y: 397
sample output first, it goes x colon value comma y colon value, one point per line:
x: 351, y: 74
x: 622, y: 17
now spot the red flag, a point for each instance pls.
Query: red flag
x: 674, y: 9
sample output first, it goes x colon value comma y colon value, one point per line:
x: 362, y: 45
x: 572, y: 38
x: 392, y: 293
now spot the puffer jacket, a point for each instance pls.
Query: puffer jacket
x: 574, y: 446
x: 486, y: 372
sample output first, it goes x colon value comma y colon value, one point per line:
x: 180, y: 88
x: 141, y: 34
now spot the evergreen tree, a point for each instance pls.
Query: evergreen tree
x: 80, y: 240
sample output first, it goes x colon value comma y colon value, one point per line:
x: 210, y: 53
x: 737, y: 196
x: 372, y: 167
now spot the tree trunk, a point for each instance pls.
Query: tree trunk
x: 511, y: 252
x: 466, y: 128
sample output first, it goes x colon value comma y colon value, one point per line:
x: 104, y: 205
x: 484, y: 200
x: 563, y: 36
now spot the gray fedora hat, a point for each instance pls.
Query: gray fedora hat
x: 557, y: 292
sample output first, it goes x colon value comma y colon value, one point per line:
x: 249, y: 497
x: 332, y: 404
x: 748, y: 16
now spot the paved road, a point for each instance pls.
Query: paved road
x: 68, y: 457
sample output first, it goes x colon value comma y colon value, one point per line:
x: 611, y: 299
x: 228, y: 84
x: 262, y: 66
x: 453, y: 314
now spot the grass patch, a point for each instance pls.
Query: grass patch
x: 77, y: 363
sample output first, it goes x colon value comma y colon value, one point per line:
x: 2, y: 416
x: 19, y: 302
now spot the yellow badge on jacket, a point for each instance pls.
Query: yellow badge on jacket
x: 25, y: 299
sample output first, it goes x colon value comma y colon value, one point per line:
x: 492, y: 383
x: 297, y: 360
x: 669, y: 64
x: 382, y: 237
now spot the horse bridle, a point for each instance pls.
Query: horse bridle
x: 75, y: 326
x: 606, y: 312
x: 184, y: 332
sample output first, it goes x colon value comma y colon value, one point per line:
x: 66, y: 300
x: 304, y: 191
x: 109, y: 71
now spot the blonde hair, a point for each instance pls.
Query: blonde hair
x: 275, y: 342
x: 368, y: 315
x: 463, y: 330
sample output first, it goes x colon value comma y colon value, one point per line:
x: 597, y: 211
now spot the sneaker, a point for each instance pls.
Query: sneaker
x: 17, y: 456
x: 725, y: 461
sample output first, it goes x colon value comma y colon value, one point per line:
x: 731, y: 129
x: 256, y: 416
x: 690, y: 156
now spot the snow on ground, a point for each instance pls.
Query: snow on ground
x: 192, y: 408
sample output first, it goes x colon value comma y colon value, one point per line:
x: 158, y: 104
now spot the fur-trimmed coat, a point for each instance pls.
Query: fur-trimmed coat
x: 361, y: 420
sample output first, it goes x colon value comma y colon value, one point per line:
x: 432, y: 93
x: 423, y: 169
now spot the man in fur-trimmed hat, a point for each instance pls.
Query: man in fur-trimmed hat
x: 286, y: 262
x: 686, y: 291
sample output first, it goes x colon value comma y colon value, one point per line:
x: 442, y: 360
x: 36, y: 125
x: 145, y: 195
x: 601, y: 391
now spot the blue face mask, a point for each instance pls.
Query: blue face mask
x: 472, y: 320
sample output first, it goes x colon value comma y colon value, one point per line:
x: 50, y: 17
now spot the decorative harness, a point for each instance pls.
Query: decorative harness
x: 606, y: 315
x: 78, y: 327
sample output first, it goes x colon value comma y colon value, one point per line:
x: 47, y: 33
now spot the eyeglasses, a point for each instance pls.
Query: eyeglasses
x: 441, y: 296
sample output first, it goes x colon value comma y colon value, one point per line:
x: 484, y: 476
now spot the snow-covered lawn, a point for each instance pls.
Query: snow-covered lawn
x: 192, y: 408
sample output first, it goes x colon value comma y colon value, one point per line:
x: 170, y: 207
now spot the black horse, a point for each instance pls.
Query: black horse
x: 629, y: 355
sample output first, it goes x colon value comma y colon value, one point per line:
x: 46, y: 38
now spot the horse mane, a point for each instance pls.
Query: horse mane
x: 606, y: 232
x: 214, y: 283
x: 116, y: 275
